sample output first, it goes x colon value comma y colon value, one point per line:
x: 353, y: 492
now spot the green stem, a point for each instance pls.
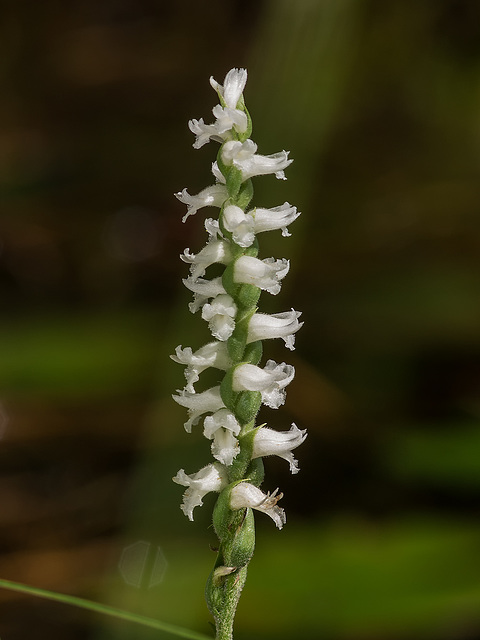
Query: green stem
x: 233, y: 589
x: 235, y: 529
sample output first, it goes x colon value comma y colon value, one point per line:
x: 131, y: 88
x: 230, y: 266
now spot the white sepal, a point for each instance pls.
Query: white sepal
x: 216, y: 251
x: 213, y: 477
x: 243, y: 156
x: 268, y: 442
x: 248, y: 495
x: 270, y: 381
x: 222, y: 427
x: 265, y: 274
x: 203, y: 290
x: 278, y: 325
x: 213, y: 354
x: 232, y: 88
x: 220, y: 315
x: 213, y: 196
x: 197, y: 404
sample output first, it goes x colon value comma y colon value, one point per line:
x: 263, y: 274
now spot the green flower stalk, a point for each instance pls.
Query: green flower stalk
x: 228, y: 304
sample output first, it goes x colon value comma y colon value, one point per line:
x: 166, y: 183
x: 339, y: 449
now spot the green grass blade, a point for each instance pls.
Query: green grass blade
x: 104, y: 609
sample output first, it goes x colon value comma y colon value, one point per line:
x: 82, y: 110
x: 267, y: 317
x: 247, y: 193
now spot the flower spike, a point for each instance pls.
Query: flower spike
x: 228, y: 303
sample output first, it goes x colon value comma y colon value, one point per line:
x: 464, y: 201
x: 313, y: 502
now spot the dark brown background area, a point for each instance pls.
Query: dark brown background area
x: 378, y: 103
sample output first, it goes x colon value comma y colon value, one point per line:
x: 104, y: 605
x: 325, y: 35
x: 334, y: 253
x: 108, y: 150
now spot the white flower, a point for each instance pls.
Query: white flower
x: 220, y: 130
x: 265, y: 274
x: 278, y: 325
x: 214, y: 251
x: 268, y: 442
x: 203, y: 132
x: 222, y: 427
x: 228, y: 118
x: 213, y: 196
x: 220, y: 315
x: 198, y: 404
x: 213, y: 477
x: 248, y: 495
x: 243, y: 226
x: 240, y: 225
x: 213, y: 354
x: 232, y: 88
x: 270, y: 381
x: 203, y: 290
x: 243, y: 156
x: 275, y: 218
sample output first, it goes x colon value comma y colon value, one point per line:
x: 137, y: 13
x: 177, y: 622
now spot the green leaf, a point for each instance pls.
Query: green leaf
x: 104, y: 609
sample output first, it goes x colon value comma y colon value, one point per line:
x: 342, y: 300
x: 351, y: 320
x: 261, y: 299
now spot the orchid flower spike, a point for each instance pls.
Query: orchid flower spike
x: 227, y: 277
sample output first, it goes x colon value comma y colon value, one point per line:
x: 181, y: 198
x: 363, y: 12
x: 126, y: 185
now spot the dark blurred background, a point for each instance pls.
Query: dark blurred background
x: 378, y: 103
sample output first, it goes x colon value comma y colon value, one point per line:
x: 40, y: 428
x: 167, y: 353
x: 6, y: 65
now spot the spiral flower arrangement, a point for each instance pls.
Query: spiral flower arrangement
x: 228, y: 304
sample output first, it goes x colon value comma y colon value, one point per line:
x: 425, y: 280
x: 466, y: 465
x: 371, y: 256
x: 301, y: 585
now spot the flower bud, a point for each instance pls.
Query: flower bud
x: 232, y: 88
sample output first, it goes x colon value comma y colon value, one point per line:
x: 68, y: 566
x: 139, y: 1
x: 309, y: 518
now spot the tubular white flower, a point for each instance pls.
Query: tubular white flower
x: 213, y: 196
x: 268, y: 442
x: 275, y: 218
x: 248, y: 495
x: 232, y: 88
x: 197, y: 404
x: 222, y: 427
x: 270, y: 381
x: 265, y: 274
x: 213, y: 477
x: 203, y: 290
x: 216, y: 251
x: 213, y: 354
x: 240, y: 225
x: 220, y: 315
x: 243, y: 156
x: 243, y: 226
x: 278, y: 325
